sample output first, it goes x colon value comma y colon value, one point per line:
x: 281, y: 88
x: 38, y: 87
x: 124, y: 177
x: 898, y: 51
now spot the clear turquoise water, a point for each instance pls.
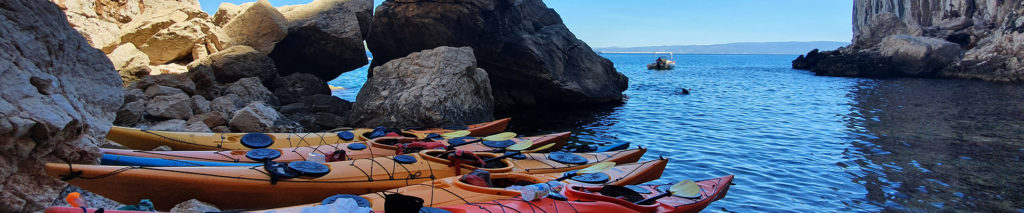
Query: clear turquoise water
x: 803, y: 143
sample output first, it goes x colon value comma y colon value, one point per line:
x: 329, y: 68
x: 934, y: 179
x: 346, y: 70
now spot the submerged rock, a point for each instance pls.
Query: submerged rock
x: 335, y: 28
x: 59, y: 98
x: 529, y: 54
x: 436, y: 87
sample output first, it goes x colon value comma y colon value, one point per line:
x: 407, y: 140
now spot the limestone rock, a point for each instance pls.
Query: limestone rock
x: 988, y: 33
x: 210, y: 119
x: 250, y: 90
x: 194, y: 206
x: 920, y: 56
x: 174, y: 42
x: 237, y: 62
x: 200, y: 105
x: 529, y: 54
x: 227, y: 104
x: 127, y: 56
x: 178, y: 81
x: 60, y: 96
x: 165, y: 69
x: 133, y: 95
x: 259, y: 26
x: 174, y: 125
x: 335, y: 27
x: 436, y: 87
x: 226, y: 11
x: 177, y: 106
x: 131, y: 113
x: 294, y: 87
x: 255, y: 117
x: 160, y: 90
x: 197, y: 127
x: 145, y: 26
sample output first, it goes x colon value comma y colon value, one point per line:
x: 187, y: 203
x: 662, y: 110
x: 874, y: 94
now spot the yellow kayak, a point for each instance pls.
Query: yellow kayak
x: 149, y: 139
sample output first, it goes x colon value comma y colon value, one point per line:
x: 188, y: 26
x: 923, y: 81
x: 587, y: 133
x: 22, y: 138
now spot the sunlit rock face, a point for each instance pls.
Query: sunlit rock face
x: 436, y: 87
x: 59, y: 98
x: 529, y: 54
x: 989, y: 33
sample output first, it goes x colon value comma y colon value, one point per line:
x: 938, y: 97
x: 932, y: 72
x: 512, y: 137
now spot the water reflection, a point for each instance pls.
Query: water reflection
x: 926, y: 144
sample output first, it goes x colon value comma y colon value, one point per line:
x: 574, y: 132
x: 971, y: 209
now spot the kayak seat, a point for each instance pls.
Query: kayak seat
x: 624, y: 193
x: 478, y: 177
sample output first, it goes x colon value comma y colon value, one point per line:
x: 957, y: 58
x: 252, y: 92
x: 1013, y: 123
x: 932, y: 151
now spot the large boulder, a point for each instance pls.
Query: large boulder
x: 920, y: 56
x: 127, y: 56
x: 259, y: 26
x: 250, y: 90
x: 130, y: 63
x: 237, y: 62
x: 255, y: 117
x: 335, y: 28
x: 174, y: 42
x: 529, y: 54
x: 59, y: 98
x: 436, y: 87
x: 176, y: 106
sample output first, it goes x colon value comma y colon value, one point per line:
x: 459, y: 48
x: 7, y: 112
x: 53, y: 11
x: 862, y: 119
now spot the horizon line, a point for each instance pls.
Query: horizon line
x: 742, y: 42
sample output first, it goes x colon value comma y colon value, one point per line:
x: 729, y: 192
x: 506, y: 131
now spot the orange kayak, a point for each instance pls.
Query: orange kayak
x: 377, y: 147
x: 451, y: 191
x: 252, y: 187
x: 582, y: 201
x: 149, y: 139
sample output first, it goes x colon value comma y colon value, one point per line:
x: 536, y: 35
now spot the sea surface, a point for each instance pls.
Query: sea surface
x: 803, y: 143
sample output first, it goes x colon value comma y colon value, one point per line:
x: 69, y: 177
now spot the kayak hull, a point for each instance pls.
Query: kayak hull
x: 450, y: 191
x: 251, y: 187
x: 370, y: 149
x: 711, y: 190
x: 150, y: 139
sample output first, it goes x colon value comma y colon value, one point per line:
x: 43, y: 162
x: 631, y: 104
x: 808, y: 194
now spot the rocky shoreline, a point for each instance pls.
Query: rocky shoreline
x: 80, y: 66
x: 973, y: 39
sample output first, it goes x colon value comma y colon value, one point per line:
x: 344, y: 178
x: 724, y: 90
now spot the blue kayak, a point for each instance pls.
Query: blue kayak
x: 121, y: 160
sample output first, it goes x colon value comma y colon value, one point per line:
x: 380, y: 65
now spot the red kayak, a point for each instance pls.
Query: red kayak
x: 590, y: 199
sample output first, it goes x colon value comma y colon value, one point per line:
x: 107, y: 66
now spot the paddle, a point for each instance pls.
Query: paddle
x: 495, y: 137
x: 686, y: 188
x: 518, y: 149
x: 596, y: 168
x: 455, y: 134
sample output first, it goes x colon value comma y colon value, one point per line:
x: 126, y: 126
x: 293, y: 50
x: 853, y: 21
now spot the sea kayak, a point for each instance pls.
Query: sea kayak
x: 709, y: 191
x: 253, y: 187
x: 581, y: 201
x: 451, y: 191
x: 149, y: 139
x: 377, y: 147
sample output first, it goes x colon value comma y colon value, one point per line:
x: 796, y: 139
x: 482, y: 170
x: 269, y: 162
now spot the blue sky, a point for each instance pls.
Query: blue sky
x: 606, y: 23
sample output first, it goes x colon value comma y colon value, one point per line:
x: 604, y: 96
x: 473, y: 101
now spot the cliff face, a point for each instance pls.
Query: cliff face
x: 990, y: 33
x: 58, y: 101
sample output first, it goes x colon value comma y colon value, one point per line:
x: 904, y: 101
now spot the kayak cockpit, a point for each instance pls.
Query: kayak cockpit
x: 469, y: 160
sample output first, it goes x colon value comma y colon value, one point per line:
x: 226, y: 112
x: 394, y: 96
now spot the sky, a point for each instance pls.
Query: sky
x: 630, y: 23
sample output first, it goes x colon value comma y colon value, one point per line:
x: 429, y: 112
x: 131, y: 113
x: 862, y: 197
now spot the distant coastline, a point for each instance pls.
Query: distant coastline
x: 743, y: 48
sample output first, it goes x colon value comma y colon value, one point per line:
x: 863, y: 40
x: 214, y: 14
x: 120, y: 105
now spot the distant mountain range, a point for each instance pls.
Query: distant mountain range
x: 793, y: 48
